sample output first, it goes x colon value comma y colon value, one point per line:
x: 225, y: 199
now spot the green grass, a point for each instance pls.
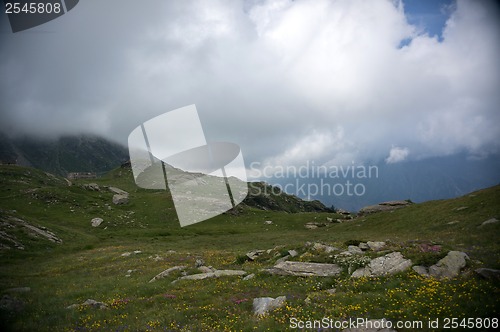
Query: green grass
x: 89, y: 263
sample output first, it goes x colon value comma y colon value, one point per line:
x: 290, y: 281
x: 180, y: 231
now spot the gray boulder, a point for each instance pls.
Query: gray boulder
x: 363, y: 246
x: 119, y: 199
x: 375, y: 245
x: 96, y: 222
x: 262, y: 305
x: 386, y: 265
x: 354, y: 250
x: 489, y: 221
x: 314, y: 225
x: 305, y: 269
x: 89, y: 303
x: 167, y: 272
x: 449, y: 266
x: 323, y: 247
x: 248, y: 277
x: 118, y: 191
x: 385, y: 206
x: 252, y: 255
x: 215, y: 274
x: 92, y: 187
x: 206, y: 269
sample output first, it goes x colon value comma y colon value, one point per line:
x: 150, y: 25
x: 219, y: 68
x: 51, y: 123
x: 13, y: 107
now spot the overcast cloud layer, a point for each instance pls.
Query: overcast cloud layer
x: 289, y: 81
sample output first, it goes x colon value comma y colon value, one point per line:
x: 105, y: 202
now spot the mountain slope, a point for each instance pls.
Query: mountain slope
x: 66, y: 154
x: 43, y: 286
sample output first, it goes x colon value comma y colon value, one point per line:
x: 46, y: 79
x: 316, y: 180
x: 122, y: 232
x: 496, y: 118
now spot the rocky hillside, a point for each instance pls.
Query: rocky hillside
x: 83, y: 153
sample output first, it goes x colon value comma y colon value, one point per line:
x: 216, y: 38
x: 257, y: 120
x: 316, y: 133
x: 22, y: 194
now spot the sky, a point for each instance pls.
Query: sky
x: 334, y: 81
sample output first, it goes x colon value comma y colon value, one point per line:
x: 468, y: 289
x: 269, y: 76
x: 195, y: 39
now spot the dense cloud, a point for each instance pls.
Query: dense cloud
x: 334, y: 81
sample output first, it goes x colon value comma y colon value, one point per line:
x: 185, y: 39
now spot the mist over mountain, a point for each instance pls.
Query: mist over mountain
x: 78, y: 153
x: 418, y: 180
x: 353, y: 187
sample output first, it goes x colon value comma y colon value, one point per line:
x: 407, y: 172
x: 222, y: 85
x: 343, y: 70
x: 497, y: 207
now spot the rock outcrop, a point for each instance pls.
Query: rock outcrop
x: 262, y: 305
x: 89, y: 303
x: 448, y: 267
x: 305, y: 269
x: 385, y: 206
x: 119, y: 199
x: 167, y: 272
x: 385, y: 265
x: 96, y: 222
x: 215, y: 274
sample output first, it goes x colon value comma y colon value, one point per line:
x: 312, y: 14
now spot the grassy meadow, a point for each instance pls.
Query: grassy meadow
x: 113, y: 263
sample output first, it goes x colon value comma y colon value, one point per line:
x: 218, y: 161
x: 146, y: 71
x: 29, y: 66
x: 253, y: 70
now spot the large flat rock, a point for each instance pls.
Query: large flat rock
x: 304, y: 269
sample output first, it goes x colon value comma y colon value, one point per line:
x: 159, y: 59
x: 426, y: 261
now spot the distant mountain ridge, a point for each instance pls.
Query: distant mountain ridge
x: 78, y: 153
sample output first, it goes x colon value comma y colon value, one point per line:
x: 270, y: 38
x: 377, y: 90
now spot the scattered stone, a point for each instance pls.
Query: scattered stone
x: 96, y: 222
x: 18, y: 290
x: 372, y: 325
x: 488, y: 273
x: 331, y: 291
x: 126, y: 254
x: 461, y: 208
x: 248, y: 277
x: 167, y: 272
x: 262, y: 305
x: 129, y: 273
x: 450, y: 265
x: 42, y: 231
x: 386, y: 265
x: 293, y: 253
x: 89, y: 303
x: 119, y: 199
x: 92, y: 187
x: 314, y: 225
x: 215, y: 274
x: 305, y: 269
x: 199, y: 262
x: 375, y: 245
x: 329, y: 219
x: 118, y: 191
x: 385, y: 206
x: 206, y: 269
x: 252, y: 255
x: 268, y: 222
x: 363, y: 246
x: 323, y: 247
x: 354, y: 250
x: 453, y: 222
x: 137, y: 252
x: 489, y: 221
